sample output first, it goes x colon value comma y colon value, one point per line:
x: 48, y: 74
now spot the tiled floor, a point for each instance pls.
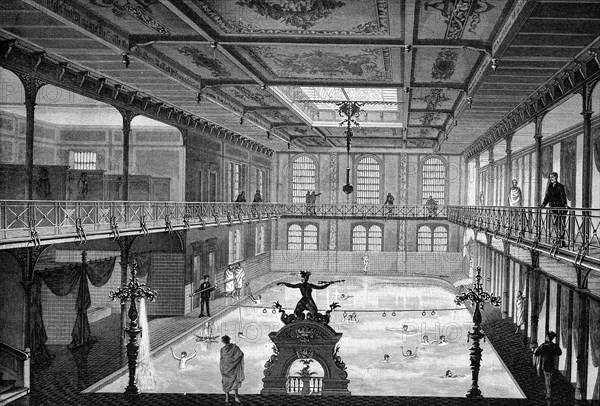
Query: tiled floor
x: 60, y: 382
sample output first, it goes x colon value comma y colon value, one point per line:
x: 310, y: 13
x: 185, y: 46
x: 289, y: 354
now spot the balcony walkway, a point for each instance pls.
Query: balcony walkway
x: 567, y: 235
x: 26, y: 224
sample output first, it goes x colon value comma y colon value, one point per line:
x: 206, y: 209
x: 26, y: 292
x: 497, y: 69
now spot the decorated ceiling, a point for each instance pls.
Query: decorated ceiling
x: 426, y: 75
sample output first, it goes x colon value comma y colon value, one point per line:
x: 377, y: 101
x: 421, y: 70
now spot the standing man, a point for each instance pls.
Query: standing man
x: 432, y: 206
x: 232, y: 368
x: 313, y: 202
x: 546, y: 357
x: 556, y: 198
x: 389, y: 201
x: 204, y: 290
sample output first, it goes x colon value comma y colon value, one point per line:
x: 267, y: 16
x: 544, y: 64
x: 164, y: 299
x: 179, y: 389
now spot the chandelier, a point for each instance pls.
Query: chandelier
x: 350, y: 111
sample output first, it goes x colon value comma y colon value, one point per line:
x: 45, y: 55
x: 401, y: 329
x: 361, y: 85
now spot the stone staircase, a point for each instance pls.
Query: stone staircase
x: 9, y: 391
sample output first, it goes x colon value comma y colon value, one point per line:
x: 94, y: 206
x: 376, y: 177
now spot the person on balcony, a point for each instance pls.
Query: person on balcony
x: 432, y: 206
x: 312, y: 204
x: 389, y: 202
x: 257, y: 199
x: 556, y: 198
x: 515, y: 195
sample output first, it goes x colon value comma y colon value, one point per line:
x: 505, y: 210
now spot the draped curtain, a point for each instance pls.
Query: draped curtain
x: 61, y: 281
x: 565, y: 317
x: 540, y: 288
x: 595, y: 343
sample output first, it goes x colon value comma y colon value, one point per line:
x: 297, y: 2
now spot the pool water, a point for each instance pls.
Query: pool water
x: 378, y: 316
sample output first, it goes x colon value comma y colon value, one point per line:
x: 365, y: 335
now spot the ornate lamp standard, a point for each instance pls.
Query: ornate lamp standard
x: 133, y: 291
x: 477, y: 296
x: 351, y: 111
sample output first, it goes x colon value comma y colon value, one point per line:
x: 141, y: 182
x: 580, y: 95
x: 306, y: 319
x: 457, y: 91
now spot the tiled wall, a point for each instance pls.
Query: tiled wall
x: 380, y: 263
x: 167, y: 278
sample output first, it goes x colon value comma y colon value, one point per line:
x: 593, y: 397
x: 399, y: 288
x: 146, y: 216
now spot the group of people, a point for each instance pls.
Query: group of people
x: 241, y: 197
x: 555, y: 198
x: 234, y: 280
x: 311, y: 202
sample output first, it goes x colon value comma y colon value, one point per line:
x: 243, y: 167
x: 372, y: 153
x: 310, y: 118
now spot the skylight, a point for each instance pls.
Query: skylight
x: 382, y: 99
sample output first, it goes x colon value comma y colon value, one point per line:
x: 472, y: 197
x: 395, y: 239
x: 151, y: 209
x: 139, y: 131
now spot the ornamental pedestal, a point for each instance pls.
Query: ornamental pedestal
x: 305, y: 340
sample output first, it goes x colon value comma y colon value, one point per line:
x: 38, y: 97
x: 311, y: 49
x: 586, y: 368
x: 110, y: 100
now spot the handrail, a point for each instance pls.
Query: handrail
x: 30, y: 223
x: 20, y: 355
x: 18, y: 362
x: 563, y: 233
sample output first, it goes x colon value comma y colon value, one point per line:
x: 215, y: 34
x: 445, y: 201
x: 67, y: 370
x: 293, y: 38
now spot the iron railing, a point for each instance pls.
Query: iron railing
x: 27, y: 223
x: 567, y: 233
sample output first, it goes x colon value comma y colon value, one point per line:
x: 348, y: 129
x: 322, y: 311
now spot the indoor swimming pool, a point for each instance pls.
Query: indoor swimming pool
x: 378, y: 316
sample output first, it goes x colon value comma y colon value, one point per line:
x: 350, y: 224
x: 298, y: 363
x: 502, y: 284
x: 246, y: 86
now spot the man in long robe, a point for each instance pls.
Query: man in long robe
x: 232, y: 368
x: 515, y: 195
x: 229, y: 281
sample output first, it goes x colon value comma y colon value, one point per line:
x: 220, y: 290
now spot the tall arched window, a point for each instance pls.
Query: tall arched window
x: 432, y: 238
x: 434, y: 180
x: 367, y: 238
x: 303, y: 238
x: 235, y: 246
x: 367, y: 181
x: 304, y: 178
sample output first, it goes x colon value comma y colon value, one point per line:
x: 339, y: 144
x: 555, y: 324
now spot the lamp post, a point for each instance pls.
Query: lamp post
x: 478, y: 297
x: 133, y: 291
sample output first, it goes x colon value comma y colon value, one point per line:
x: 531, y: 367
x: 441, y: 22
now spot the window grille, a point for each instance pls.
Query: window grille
x: 310, y: 238
x: 305, y: 239
x: 432, y: 240
x: 367, y: 181
x: 304, y: 174
x: 294, y: 237
x: 86, y: 161
x: 375, y: 238
x: 359, y: 238
x: 434, y: 180
x: 440, y: 239
x: 424, y: 239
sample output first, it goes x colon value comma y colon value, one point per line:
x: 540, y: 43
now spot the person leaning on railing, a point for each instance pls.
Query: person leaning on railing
x: 556, y: 198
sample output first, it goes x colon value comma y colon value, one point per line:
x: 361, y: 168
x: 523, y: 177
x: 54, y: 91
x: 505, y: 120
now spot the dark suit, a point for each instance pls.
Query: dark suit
x: 204, y: 289
x: 556, y: 197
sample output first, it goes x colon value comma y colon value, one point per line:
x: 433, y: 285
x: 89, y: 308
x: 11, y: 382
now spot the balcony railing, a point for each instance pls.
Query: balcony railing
x: 28, y: 223
x: 569, y: 234
x: 310, y: 386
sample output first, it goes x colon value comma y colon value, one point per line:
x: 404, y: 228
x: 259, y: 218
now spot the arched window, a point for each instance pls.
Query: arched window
x: 367, y: 181
x: 434, y: 180
x: 304, y: 178
x: 235, y: 246
x: 432, y: 239
x: 367, y: 238
x: 303, y: 238
x: 260, y: 239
